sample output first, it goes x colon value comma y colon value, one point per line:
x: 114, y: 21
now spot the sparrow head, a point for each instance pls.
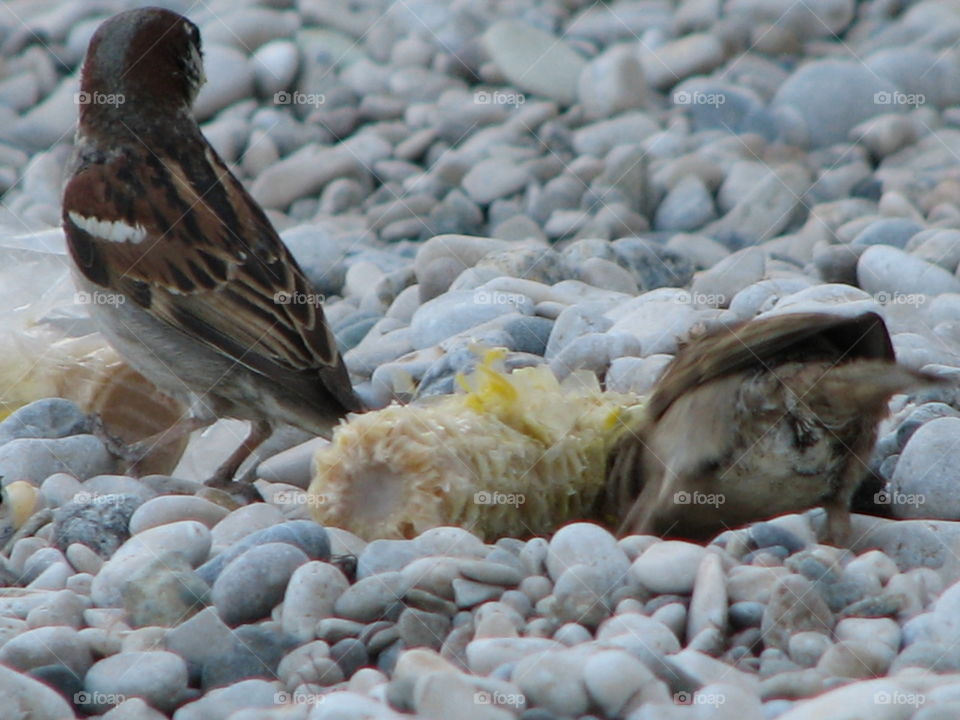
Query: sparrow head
x: 148, y: 59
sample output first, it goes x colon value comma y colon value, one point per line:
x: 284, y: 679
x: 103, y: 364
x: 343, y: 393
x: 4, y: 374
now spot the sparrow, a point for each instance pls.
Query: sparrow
x: 773, y: 416
x: 189, y: 281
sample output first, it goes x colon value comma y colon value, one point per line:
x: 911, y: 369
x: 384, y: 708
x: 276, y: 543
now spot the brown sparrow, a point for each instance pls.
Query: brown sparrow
x: 188, y: 279
x: 773, y: 416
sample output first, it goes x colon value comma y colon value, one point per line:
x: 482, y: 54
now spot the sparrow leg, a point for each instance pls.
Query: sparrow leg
x: 135, y: 453
x: 223, y: 477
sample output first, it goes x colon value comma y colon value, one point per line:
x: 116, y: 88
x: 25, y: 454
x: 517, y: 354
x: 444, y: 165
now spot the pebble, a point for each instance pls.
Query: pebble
x: 251, y: 584
x: 29, y: 698
x: 668, y: 567
x: 311, y: 596
x: 159, y: 677
x: 174, y: 508
x: 795, y: 606
x: 35, y: 459
x: 535, y: 61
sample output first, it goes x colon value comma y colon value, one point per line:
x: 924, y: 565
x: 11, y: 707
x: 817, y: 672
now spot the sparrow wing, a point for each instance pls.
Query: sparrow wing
x: 761, y: 342
x: 184, y: 240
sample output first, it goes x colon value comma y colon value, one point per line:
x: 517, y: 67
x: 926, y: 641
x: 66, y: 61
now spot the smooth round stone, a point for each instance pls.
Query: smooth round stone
x: 895, y: 232
x: 256, y: 651
x: 652, y: 634
x: 100, y: 523
x: 882, y: 630
x: 599, y: 138
x: 229, y: 79
x: 450, y: 694
x: 83, y: 559
x: 829, y: 97
x: 765, y: 211
x: 595, y: 352
x: 245, y: 521
x: 917, y: 71
x: 572, y: 634
x: 102, y: 485
x: 764, y: 295
x: 35, y: 459
x: 306, y: 535
x: 442, y: 258
x: 47, y: 646
x: 613, y: 82
x: 457, y: 311
x: 221, y: 703
x: 199, y: 639
x: 250, y: 585
x: 590, y: 545
x: 534, y: 61
x: 806, y: 648
x: 159, y: 677
x: 174, y: 508
x: 28, y: 698
x: 309, y: 664
x: 941, y: 247
x: 484, y: 655
x: 554, y: 681
x: 687, y: 206
x: 372, y: 597
x: 47, y: 418
x: 581, y: 592
x: 275, y: 66
x: 894, y: 274
x: 163, y: 592
x: 668, y: 567
x: 927, y: 468
x: 494, y: 178
x: 576, y: 321
x: 60, y: 608
x: 59, y: 489
x: 310, y: 596
x: 708, y: 605
x: 795, y: 606
x: 730, y: 276
x: 606, y: 274
x: 693, y: 54
x: 635, y: 375
x: 422, y: 629
x: 856, y: 659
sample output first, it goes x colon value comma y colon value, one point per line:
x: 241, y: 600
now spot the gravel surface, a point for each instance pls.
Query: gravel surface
x: 583, y: 184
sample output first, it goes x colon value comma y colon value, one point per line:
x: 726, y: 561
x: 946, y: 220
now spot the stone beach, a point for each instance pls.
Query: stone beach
x: 585, y: 185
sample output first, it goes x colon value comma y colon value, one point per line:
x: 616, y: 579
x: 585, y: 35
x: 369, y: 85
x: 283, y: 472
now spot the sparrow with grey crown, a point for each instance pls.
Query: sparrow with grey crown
x: 199, y: 277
